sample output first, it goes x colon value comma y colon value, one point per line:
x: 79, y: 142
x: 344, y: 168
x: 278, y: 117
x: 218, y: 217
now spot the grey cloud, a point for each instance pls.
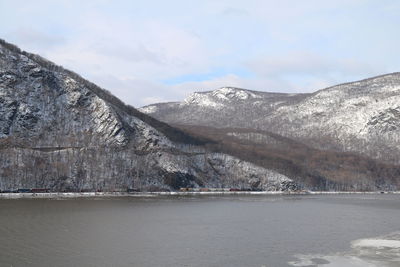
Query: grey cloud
x: 33, y: 38
x: 306, y: 63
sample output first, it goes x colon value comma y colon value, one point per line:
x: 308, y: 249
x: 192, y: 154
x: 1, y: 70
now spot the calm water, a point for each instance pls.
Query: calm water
x: 202, y: 231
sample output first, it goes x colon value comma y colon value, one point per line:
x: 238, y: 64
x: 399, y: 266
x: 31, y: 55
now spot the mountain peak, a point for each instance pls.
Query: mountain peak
x: 226, y: 93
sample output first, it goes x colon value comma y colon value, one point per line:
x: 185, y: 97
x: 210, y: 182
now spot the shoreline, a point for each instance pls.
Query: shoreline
x: 154, y: 194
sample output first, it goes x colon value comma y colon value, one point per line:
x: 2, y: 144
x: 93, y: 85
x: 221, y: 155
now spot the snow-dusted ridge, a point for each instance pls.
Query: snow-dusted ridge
x: 216, y: 99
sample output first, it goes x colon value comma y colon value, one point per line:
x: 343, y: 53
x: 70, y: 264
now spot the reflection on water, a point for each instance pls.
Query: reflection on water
x: 270, y: 231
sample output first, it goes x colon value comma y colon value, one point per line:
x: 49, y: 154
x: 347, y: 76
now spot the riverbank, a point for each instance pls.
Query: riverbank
x: 153, y: 194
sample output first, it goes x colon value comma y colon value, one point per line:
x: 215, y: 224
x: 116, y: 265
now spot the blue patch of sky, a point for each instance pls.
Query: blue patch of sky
x: 216, y: 73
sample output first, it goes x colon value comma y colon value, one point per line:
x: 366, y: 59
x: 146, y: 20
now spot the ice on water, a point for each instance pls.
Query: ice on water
x: 381, y: 251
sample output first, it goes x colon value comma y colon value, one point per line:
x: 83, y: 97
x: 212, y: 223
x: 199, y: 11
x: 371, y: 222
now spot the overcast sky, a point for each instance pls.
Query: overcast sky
x: 155, y: 51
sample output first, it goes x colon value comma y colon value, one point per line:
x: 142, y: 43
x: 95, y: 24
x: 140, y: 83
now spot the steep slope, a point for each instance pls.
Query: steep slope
x: 361, y: 117
x: 61, y: 132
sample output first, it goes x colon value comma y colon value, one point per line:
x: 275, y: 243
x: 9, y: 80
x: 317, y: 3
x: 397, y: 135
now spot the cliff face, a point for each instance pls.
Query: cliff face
x: 361, y: 117
x: 61, y: 132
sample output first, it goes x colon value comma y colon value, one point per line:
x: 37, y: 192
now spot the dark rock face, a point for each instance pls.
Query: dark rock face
x: 61, y: 132
x: 178, y: 180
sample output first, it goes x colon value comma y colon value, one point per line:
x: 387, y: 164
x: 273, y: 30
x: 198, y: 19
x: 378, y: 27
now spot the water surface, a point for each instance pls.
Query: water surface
x: 317, y: 230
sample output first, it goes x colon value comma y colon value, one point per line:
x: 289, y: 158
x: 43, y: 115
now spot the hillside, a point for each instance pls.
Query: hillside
x: 63, y: 133
x: 319, y: 169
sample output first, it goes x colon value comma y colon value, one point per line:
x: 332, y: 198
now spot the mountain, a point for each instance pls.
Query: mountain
x: 361, y: 117
x: 347, y: 134
x: 61, y: 132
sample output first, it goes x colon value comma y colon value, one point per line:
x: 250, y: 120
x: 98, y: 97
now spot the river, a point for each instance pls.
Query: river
x: 265, y: 230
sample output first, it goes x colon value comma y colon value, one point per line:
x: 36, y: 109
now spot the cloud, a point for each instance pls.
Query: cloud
x: 151, y: 50
x: 163, y: 50
x: 302, y: 62
x: 307, y: 71
x: 33, y: 38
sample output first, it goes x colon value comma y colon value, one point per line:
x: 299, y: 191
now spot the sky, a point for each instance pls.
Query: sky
x: 156, y: 51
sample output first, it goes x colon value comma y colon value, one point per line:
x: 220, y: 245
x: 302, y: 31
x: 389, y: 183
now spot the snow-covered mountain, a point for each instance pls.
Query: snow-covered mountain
x: 61, y: 132
x: 361, y: 117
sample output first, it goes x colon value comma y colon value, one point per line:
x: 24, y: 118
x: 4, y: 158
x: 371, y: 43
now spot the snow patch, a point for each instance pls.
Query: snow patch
x: 148, y: 109
x: 376, y: 243
x: 202, y: 99
x: 226, y: 93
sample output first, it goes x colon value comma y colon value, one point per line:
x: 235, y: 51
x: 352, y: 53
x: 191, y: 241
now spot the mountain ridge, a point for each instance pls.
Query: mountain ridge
x: 276, y: 92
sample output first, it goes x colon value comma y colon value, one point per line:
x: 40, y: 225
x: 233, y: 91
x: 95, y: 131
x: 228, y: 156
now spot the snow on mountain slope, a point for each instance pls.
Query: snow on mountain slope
x: 354, y: 107
x: 362, y: 116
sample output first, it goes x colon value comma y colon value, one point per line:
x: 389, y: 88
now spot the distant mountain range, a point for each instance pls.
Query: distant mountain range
x: 61, y: 132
